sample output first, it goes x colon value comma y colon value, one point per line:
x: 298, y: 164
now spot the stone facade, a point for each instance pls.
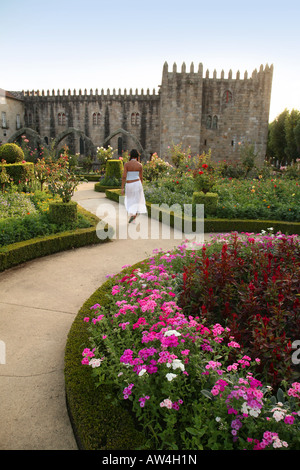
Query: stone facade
x: 201, y: 112
x: 11, y: 114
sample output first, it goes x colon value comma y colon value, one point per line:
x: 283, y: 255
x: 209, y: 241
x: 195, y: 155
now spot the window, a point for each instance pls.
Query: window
x: 208, y: 122
x: 61, y: 119
x: 135, y: 119
x: 3, y: 118
x: 18, y: 121
x: 227, y: 97
x: 215, y: 122
x: 96, y: 118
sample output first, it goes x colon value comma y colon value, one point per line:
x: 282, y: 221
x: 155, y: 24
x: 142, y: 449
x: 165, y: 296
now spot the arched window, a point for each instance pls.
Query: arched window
x: 135, y: 119
x: 208, y: 122
x: 215, y: 122
x: 61, y: 119
x: 96, y: 118
x: 227, y: 97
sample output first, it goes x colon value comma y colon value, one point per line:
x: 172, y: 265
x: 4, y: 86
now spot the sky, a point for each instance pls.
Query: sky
x: 123, y: 44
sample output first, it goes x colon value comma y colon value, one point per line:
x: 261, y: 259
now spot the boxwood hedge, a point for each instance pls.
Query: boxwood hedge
x: 98, y: 423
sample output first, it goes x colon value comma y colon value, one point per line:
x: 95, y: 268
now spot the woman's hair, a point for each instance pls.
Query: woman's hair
x: 134, y: 154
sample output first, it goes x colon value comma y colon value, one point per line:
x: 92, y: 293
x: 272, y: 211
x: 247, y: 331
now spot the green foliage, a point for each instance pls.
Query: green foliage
x: 4, y: 178
x: 100, y: 423
x: 62, y: 180
x: 155, y: 168
x: 209, y: 200
x: 20, y: 174
x: 62, y: 213
x: 176, y: 155
x: 11, y: 153
x: 248, y: 157
x: 105, y: 154
x: 284, y: 138
x: 113, y: 174
x: 42, y: 240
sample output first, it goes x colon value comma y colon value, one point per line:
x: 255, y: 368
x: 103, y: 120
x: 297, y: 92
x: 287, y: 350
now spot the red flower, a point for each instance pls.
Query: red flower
x: 204, y: 165
x: 200, y: 172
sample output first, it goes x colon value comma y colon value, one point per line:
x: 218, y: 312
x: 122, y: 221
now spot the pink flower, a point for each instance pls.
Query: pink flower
x: 289, y: 419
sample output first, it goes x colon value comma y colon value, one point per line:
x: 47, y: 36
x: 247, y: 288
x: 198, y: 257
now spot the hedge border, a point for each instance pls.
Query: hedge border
x: 18, y: 253
x: 102, y: 189
x: 222, y: 225
x: 97, y: 423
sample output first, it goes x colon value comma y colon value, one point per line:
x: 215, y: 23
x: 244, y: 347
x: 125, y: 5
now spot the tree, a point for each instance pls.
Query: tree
x: 291, y: 122
x: 278, y: 138
x: 284, y: 138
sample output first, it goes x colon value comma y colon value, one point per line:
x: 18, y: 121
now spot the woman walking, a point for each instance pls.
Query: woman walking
x: 132, y: 180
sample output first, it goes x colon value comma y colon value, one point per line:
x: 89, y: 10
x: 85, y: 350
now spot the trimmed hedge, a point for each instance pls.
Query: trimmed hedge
x: 224, y: 225
x: 20, y: 172
x: 63, y: 212
x: 17, y: 253
x: 98, y: 423
x: 11, y: 153
x: 102, y: 189
x: 90, y: 176
x: 209, y: 200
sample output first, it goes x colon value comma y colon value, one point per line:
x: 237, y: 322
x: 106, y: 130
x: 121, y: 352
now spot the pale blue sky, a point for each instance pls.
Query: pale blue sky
x: 124, y: 44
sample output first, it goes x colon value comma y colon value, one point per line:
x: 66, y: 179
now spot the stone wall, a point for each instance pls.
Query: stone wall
x: 200, y: 112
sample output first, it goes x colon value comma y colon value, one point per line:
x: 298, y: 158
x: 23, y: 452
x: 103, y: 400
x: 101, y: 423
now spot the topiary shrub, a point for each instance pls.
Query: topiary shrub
x: 113, y: 173
x: 11, y: 153
x: 209, y: 200
x: 63, y: 212
x: 20, y: 173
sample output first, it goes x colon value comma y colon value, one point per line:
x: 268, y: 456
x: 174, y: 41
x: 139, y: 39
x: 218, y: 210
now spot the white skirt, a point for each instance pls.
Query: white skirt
x: 134, y: 198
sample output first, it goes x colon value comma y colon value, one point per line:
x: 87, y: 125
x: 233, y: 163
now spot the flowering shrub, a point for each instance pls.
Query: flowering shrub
x: 253, y: 286
x: 188, y: 380
x: 42, y: 171
x: 155, y: 168
x: 262, y: 199
x: 13, y: 204
x: 104, y: 154
x: 62, y: 180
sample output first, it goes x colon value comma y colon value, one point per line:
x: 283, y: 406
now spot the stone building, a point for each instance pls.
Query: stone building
x: 11, y: 113
x: 201, y: 112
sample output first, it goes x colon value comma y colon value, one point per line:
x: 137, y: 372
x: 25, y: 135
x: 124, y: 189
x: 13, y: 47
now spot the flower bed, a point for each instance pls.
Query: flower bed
x: 269, y: 199
x: 187, y: 380
x: 25, y: 216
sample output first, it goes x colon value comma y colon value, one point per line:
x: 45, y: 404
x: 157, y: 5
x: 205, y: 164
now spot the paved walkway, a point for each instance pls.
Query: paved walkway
x: 38, y: 303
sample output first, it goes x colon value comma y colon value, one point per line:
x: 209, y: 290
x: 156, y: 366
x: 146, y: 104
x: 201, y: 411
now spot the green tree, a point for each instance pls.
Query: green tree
x: 277, y: 139
x: 291, y: 122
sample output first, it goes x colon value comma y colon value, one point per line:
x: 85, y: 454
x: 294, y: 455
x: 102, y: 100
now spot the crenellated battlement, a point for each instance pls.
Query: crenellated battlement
x: 201, y: 109
x: 256, y: 75
x: 91, y: 93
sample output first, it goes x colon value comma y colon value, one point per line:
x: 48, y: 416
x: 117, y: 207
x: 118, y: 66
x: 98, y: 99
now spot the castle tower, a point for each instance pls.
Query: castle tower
x: 181, y: 107
x: 217, y: 114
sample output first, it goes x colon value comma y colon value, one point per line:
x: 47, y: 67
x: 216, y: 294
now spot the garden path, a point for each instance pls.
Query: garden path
x: 38, y: 303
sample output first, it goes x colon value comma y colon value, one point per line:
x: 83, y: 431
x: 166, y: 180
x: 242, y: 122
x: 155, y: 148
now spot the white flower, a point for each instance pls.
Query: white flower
x: 170, y: 376
x: 177, y: 364
x: 95, y: 362
x: 172, y: 332
x: 218, y: 419
x: 278, y: 415
x: 142, y: 372
x: 254, y: 412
